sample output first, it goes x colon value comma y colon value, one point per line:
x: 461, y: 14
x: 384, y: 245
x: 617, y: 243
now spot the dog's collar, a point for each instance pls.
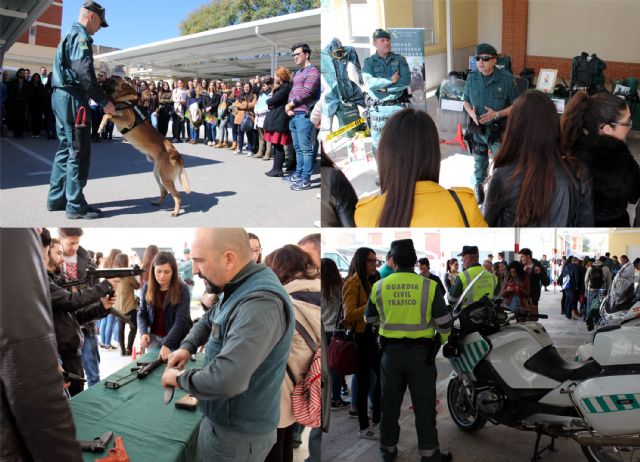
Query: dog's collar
x: 140, y: 116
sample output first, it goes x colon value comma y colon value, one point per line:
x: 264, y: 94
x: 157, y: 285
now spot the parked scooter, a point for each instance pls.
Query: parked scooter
x: 510, y: 373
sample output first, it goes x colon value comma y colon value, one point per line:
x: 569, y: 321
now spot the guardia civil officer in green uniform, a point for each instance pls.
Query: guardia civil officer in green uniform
x: 74, y: 82
x: 414, y: 321
x: 386, y: 76
x: 488, y: 96
x: 486, y: 285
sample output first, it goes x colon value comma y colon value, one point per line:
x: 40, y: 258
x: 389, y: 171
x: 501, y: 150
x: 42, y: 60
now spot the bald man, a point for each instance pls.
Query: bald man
x: 248, y: 337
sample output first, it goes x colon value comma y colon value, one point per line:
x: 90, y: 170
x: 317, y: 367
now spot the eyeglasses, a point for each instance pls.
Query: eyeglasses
x: 625, y: 124
x: 484, y: 59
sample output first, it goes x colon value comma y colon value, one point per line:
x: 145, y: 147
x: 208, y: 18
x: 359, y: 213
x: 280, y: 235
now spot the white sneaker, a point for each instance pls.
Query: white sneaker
x: 370, y: 433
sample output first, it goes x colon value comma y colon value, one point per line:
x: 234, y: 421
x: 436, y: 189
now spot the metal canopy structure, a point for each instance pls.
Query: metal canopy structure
x: 234, y: 51
x: 16, y: 16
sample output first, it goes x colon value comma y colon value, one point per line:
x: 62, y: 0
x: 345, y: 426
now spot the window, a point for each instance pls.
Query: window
x: 361, y: 17
x: 424, y: 17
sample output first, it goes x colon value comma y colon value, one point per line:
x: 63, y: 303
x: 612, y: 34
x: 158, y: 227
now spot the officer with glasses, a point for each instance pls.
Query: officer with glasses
x: 488, y: 96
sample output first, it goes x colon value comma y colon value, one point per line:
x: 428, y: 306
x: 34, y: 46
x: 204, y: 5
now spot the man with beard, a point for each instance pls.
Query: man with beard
x: 72, y: 308
x: 248, y: 337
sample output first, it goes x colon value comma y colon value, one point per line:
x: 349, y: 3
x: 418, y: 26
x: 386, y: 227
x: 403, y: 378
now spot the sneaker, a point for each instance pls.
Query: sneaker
x: 345, y: 391
x: 353, y: 413
x: 293, y: 178
x: 339, y: 404
x: 301, y: 185
x: 370, y: 433
x: 90, y: 214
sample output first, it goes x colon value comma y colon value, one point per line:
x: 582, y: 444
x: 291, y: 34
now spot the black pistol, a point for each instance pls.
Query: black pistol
x: 146, y: 370
x: 97, y: 444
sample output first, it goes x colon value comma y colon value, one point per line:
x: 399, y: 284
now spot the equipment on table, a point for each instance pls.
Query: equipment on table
x: 135, y: 374
x: 97, y: 444
x: 116, y: 454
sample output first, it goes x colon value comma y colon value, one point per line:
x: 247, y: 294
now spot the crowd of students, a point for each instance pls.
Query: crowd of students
x: 575, y: 170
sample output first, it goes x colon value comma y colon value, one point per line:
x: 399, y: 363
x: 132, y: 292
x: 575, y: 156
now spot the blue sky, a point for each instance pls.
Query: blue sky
x: 134, y: 22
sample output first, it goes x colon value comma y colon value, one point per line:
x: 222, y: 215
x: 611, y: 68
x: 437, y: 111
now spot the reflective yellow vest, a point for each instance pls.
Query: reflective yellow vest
x: 486, y: 285
x: 404, y: 302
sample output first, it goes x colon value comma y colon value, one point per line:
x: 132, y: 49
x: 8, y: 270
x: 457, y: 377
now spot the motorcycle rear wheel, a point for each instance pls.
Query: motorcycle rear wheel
x: 609, y: 454
x: 468, y: 420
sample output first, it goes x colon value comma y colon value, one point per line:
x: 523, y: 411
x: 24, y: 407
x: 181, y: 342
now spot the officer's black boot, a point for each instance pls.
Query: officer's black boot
x: 479, y: 189
x: 444, y: 457
x: 389, y: 456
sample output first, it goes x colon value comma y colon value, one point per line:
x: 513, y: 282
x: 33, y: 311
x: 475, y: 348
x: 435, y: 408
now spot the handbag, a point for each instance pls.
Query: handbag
x: 247, y: 122
x: 343, y: 357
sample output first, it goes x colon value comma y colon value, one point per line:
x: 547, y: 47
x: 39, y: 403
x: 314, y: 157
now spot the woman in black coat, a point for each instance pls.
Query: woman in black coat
x: 594, y: 130
x: 276, y: 123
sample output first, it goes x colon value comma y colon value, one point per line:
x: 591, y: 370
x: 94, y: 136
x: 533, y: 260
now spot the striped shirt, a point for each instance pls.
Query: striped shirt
x: 306, y: 89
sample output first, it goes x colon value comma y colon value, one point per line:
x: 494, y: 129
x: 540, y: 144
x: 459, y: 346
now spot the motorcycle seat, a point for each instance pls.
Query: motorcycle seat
x: 549, y: 363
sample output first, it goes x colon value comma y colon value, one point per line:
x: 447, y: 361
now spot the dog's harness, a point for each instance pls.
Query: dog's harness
x: 140, y: 116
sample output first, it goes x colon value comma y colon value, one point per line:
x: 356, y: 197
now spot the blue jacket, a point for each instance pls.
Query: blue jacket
x: 177, y: 319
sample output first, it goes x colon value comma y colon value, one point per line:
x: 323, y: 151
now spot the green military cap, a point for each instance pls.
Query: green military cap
x: 485, y: 49
x: 402, y: 246
x: 98, y: 9
x: 186, y: 250
x: 469, y: 250
x: 381, y: 33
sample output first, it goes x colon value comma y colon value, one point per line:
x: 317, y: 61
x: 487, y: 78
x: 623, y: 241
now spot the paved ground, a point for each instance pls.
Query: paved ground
x: 111, y: 361
x: 492, y: 443
x: 227, y: 189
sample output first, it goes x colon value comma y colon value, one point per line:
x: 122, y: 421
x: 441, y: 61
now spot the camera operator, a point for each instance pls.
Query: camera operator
x: 72, y: 308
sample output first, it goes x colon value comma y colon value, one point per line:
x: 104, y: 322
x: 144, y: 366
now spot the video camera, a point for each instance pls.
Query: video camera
x: 93, y: 276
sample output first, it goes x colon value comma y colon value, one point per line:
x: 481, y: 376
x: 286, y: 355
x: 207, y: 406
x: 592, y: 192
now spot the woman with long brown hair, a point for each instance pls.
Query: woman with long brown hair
x: 245, y: 117
x: 147, y: 261
x: 594, y: 130
x: 300, y: 277
x: 163, y: 319
x: 276, y: 122
x: 534, y: 183
x: 409, y: 170
x: 105, y: 325
x: 355, y: 295
x: 126, y: 304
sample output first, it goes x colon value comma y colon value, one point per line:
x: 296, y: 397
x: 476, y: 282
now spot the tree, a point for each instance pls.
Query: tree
x: 222, y: 13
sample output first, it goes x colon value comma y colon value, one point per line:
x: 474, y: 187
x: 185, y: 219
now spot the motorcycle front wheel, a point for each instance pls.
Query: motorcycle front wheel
x: 611, y: 454
x: 464, y: 416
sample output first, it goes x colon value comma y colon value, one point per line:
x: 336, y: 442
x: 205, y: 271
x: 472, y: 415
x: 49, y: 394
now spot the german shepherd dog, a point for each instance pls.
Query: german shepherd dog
x: 167, y: 162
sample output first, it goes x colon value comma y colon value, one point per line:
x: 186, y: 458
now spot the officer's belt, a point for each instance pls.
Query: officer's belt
x: 75, y: 89
x: 393, y: 102
x: 385, y: 341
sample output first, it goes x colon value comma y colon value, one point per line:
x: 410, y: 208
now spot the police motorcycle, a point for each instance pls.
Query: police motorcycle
x: 509, y: 373
x: 618, y: 309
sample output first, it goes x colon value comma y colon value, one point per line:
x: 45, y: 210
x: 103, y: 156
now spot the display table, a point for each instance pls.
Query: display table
x: 152, y: 431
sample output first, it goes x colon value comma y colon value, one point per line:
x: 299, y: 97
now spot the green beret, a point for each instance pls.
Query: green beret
x: 485, y: 49
x: 381, y: 33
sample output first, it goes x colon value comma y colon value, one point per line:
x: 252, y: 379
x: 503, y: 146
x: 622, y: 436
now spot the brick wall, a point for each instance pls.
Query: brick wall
x: 515, y: 16
x: 515, y: 19
x: 46, y: 36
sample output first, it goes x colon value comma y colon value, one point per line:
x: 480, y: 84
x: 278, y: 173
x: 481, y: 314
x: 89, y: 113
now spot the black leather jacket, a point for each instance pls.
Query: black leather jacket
x: 338, y: 199
x: 572, y: 206
x: 35, y: 418
x: 72, y: 308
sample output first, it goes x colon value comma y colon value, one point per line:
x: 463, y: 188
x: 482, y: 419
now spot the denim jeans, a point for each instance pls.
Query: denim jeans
x: 224, y: 132
x: 194, y: 132
x: 91, y: 359
x: 221, y: 444
x: 106, y: 330
x: 241, y: 135
x: 210, y: 131
x: 301, y: 129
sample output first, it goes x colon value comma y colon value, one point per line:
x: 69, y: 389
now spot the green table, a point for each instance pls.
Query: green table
x: 152, y: 431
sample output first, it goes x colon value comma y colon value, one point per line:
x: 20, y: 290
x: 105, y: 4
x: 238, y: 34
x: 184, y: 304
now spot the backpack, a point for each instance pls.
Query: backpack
x: 596, y: 277
x: 306, y: 397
